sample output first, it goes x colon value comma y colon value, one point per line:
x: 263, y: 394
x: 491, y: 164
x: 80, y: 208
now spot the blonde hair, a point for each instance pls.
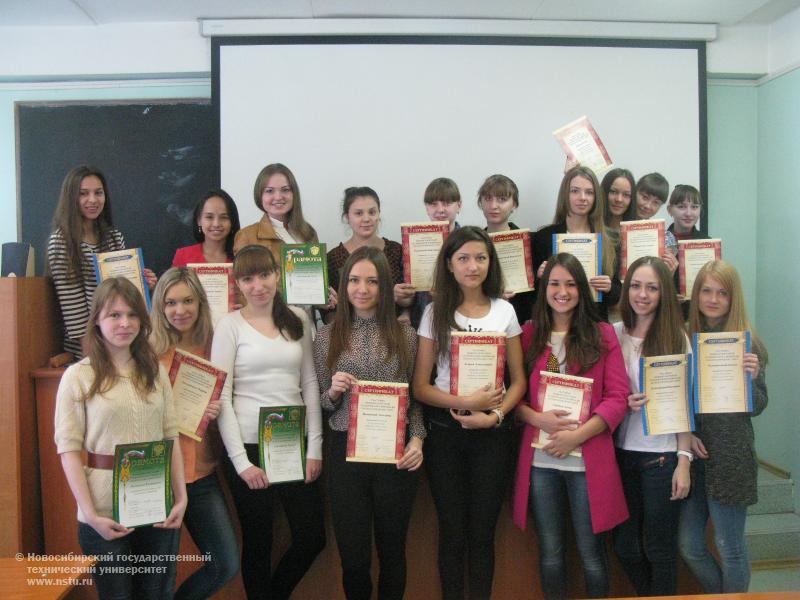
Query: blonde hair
x: 164, y: 335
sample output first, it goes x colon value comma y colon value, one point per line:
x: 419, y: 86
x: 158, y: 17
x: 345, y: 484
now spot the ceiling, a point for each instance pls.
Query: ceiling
x: 36, y: 13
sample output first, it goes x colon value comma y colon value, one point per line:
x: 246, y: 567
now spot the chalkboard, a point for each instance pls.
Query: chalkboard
x: 159, y: 158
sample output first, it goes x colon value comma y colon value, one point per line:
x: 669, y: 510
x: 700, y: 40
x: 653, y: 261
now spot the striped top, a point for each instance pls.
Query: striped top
x: 75, y: 293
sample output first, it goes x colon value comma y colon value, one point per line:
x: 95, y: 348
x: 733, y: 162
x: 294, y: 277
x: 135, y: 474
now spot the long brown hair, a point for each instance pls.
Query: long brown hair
x: 164, y: 335
x: 391, y: 332
x: 145, y: 360
x: 447, y: 294
x: 582, y: 343
x: 666, y: 334
x: 296, y: 225
x: 69, y: 220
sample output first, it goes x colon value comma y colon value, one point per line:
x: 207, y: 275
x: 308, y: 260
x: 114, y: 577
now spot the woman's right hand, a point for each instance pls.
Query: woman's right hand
x: 636, y: 401
x: 108, y: 529
x: 699, y: 448
x: 340, y: 383
x: 255, y: 478
x: 554, y: 420
x: 484, y: 398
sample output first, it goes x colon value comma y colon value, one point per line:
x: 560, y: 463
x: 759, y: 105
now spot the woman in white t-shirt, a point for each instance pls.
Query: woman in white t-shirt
x: 468, y: 447
x: 654, y: 468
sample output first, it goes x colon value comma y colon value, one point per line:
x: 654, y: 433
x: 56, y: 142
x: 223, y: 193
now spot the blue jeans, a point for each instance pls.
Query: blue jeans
x: 211, y: 528
x: 647, y: 543
x: 156, y: 584
x: 554, y: 495
x: 733, y: 575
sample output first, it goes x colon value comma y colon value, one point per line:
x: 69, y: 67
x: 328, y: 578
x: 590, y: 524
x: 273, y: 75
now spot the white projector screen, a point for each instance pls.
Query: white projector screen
x: 395, y: 114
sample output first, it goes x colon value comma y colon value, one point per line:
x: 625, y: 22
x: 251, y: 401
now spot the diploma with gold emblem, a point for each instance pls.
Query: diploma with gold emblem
x: 582, y: 145
x: 666, y: 382
x: 640, y: 238
x: 377, y: 430
x: 562, y: 392
x: 123, y: 263
x: 304, y: 274
x: 219, y: 286
x: 720, y: 383
x: 421, y: 244
x: 692, y: 256
x: 195, y: 383
x: 477, y: 359
x: 281, y: 442
x: 588, y: 249
x: 142, y: 483
x: 514, y: 254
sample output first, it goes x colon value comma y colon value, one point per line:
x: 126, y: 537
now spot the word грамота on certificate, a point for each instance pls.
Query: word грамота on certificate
x: 304, y: 274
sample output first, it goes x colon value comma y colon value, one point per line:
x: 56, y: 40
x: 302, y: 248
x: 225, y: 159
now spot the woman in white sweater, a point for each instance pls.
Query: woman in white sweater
x: 266, y: 349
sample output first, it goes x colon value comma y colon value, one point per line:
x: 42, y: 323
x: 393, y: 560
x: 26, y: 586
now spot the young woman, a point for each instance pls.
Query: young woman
x: 366, y: 342
x: 361, y: 208
x: 654, y: 468
x: 216, y: 221
x: 580, y: 209
x: 266, y: 349
x: 724, y: 476
x: 118, y: 394
x: 468, y: 448
x: 182, y: 320
x: 567, y: 337
x: 82, y: 227
x: 619, y: 192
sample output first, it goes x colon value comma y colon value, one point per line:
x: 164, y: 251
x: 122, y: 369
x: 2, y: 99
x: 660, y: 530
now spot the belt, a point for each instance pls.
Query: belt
x: 100, y: 461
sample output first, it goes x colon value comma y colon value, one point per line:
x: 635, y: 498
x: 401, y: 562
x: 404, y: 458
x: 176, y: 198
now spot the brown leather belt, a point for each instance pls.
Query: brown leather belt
x: 100, y: 461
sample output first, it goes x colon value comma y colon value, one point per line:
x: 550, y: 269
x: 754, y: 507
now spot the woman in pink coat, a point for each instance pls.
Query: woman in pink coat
x: 567, y: 337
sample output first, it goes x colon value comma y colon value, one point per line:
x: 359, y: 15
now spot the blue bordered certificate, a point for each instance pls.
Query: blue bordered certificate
x: 721, y: 384
x: 666, y: 381
x: 122, y: 263
x: 588, y: 249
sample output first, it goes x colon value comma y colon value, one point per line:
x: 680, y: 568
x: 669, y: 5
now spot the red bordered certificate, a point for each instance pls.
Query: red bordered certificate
x: 562, y: 392
x: 377, y: 430
x: 421, y: 244
x: 514, y: 253
x: 582, y: 145
x: 638, y: 239
x: 692, y: 256
x: 476, y: 359
x: 219, y: 286
x: 195, y: 383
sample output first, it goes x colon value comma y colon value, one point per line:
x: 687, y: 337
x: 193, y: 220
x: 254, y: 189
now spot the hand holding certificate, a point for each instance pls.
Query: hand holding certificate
x: 476, y: 360
x: 195, y: 383
x: 123, y: 263
x: 514, y: 253
x: 666, y: 382
x: 692, y: 256
x: 588, y: 249
x: 721, y: 383
x: 583, y: 146
x: 421, y: 244
x: 568, y: 393
x: 219, y: 286
x: 638, y: 239
x: 304, y: 274
x: 282, y: 442
x: 142, y: 493
x: 377, y: 430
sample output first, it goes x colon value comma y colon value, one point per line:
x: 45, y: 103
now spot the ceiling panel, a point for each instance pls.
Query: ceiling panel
x: 143, y: 11
x: 35, y: 13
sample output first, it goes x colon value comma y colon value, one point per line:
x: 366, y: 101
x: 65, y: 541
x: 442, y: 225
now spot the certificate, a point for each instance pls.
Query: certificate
x: 142, y: 481
x: 666, y: 382
x: 421, y: 244
x: 377, y: 430
x: 692, y: 256
x: 476, y: 359
x: 282, y: 442
x: 122, y: 263
x: 588, y: 249
x: 304, y: 274
x: 195, y: 383
x: 514, y: 253
x: 219, y: 286
x: 720, y: 383
x: 562, y: 392
x: 582, y: 145
x: 638, y: 239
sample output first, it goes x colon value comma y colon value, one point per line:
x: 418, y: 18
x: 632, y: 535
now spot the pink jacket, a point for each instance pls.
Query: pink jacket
x: 609, y: 401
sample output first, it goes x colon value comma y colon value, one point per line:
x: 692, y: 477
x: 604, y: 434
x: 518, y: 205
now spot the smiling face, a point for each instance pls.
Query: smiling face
x: 119, y: 324
x: 92, y: 197
x: 644, y: 293
x: 181, y: 307
x: 496, y: 209
x: 581, y: 196
x: 685, y: 215
x: 562, y: 292
x: 439, y: 210
x: 363, y: 288
x: 470, y: 264
x: 214, y: 220
x: 619, y: 196
x: 714, y: 301
x: 647, y: 205
x: 259, y: 288
x: 277, y: 198
x: 363, y: 216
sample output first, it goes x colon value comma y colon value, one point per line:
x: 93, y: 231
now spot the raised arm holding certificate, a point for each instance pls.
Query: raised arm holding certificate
x: 638, y: 239
x: 692, y: 256
x: 562, y: 392
x: 720, y: 382
x: 195, y: 383
x: 588, y: 249
x: 666, y: 382
x: 583, y: 146
x: 514, y: 253
x: 142, y: 493
x: 377, y: 430
x: 282, y: 442
x: 477, y: 359
x: 304, y: 274
x: 421, y: 244
x: 219, y: 286
x: 127, y: 263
